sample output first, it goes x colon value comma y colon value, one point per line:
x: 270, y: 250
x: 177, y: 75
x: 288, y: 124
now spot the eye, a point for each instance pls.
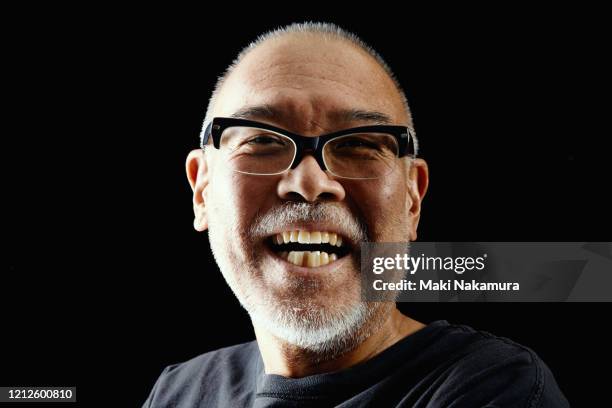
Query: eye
x: 264, y: 140
x: 355, y: 142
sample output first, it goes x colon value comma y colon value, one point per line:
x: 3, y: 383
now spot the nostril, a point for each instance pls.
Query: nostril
x: 324, y: 196
x: 327, y: 196
x: 293, y: 196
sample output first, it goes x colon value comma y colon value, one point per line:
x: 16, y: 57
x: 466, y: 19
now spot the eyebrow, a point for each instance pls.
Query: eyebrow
x: 256, y: 112
x: 346, y: 115
x: 361, y: 115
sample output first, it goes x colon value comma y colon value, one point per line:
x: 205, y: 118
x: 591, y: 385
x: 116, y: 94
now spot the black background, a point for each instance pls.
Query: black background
x: 104, y: 280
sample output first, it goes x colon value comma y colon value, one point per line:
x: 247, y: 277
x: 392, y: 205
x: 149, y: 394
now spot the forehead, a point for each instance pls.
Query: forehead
x: 308, y: 78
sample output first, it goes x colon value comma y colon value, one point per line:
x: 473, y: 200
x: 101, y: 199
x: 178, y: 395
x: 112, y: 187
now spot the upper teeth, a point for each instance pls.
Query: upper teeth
x: 308, y: 237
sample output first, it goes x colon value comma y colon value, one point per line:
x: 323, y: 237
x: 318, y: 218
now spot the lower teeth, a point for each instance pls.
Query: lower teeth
x: 309, y: 258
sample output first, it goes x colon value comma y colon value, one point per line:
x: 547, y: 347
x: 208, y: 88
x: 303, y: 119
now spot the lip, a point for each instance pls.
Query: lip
x: 306, y: 271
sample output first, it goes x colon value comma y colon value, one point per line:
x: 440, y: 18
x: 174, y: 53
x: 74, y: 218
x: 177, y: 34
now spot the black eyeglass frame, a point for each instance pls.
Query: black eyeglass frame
x: 406, y: 140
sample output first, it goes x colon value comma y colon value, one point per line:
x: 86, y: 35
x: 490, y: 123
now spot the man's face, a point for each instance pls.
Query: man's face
x: 309, y: 84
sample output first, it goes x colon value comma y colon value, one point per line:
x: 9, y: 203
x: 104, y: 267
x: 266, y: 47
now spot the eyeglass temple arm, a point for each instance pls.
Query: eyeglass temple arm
x: 205, y: 135
x: 415, y: 143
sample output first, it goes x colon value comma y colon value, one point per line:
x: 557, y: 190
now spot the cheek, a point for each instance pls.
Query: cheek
x: 378, y: 196
x: 382, y: 205
x: 238, y: 197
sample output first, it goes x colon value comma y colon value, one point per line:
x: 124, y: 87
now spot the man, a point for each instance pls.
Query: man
x: 287, y: 189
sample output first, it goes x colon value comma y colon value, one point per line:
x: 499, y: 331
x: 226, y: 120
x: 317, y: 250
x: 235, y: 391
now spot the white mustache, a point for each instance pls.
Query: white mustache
x: 290, y: 213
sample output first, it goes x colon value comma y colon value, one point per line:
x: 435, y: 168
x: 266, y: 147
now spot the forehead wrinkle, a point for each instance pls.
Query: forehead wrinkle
x: 303, y: 63
x: 311, y: 76
x: 306, y: 71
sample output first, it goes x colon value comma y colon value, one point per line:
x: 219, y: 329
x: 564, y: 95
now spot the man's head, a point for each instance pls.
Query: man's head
x: 310, y: 80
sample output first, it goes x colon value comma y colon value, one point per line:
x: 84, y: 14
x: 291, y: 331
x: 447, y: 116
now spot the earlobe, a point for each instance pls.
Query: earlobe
x: 197, y: 175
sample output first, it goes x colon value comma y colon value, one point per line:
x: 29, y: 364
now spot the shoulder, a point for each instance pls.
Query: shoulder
x: 488, y: 369
x: 187, y: 383
x: 213, y: 361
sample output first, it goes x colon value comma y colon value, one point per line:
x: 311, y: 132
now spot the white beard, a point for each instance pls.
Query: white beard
x: 314, y: 330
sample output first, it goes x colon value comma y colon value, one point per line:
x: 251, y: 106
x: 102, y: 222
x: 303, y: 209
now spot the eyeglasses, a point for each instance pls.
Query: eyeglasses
x: 366, y: 152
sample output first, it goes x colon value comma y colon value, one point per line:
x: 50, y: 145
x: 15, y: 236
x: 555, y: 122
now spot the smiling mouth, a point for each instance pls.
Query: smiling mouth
x: 309, y: 248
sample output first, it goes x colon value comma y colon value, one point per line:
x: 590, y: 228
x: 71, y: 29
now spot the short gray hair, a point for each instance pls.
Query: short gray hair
x: 327, y: 30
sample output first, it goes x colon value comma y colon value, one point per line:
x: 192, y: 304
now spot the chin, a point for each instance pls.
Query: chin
x: 314, y: 329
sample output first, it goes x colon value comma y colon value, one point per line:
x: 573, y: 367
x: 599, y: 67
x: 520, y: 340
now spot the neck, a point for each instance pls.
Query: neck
x: 287, y: 360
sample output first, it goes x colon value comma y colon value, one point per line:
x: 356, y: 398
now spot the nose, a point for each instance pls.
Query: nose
x: 308, y: 182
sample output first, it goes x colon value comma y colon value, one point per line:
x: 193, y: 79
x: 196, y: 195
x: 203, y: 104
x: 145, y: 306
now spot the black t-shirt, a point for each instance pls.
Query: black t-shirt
x: 441, y: 365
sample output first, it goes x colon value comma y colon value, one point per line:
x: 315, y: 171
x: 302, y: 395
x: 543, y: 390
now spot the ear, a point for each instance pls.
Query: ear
x: 417, y: 184
x: 198, y: 176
